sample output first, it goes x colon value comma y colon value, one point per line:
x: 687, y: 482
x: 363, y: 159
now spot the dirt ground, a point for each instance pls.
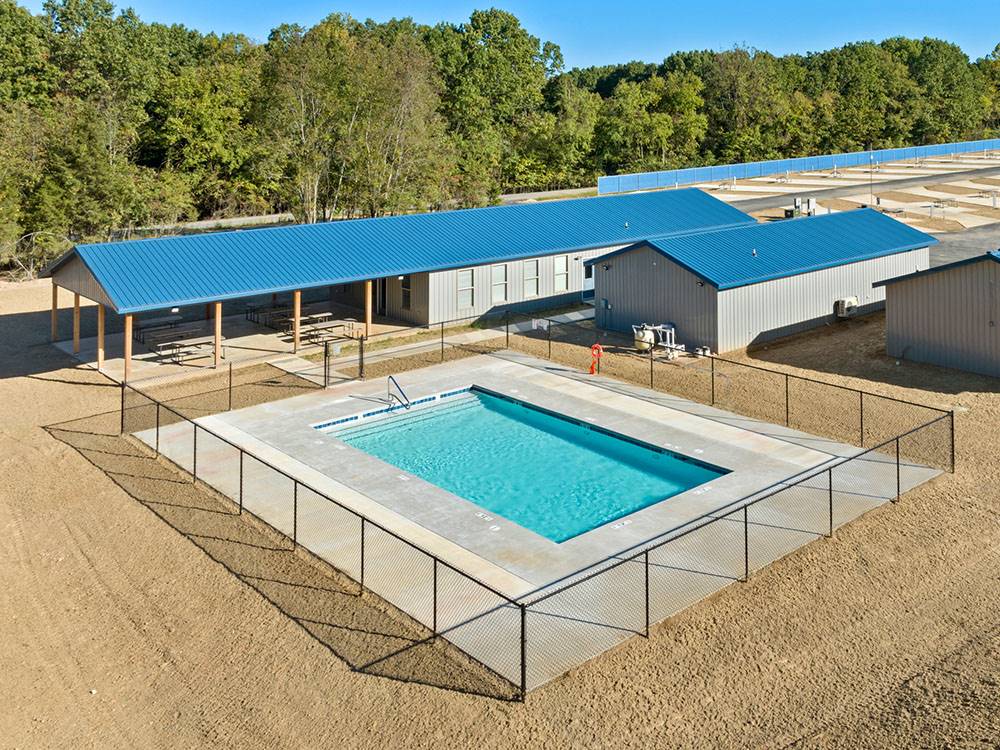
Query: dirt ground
x: 138, y: 612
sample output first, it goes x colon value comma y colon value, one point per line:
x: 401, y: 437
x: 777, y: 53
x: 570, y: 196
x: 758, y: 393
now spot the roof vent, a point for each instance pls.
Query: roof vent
x: 626, y: 225
x: 754, y: 252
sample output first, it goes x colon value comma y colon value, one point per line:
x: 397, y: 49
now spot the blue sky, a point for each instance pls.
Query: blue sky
x: 594, y: 32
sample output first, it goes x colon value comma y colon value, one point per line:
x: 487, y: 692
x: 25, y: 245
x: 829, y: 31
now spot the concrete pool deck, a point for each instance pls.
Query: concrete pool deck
x: 513, y: 560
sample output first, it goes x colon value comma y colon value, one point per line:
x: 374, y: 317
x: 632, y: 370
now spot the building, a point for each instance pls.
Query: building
x: 421, y: 268
x: 733, y: 287
x: 948, y: 315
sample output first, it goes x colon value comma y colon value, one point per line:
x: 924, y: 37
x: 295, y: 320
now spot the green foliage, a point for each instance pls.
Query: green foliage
x: 109, y: 124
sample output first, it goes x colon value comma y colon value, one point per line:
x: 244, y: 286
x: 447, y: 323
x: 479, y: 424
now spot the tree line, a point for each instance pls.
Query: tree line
x: 108, y: 123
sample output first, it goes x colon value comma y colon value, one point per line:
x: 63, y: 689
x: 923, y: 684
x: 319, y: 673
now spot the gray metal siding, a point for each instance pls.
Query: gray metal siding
x: 948, y: 318
x: 76, y: 277
x: 443, y: 286
x: 417, y: 312
x: 642, y: 286
x: 761, y: 312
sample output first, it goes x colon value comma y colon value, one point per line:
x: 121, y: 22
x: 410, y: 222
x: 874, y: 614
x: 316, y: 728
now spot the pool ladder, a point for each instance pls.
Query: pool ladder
x: 402, y: 398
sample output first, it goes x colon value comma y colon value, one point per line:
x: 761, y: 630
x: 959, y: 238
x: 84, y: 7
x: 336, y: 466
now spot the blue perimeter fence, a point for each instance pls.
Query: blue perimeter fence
x: 625, y: 183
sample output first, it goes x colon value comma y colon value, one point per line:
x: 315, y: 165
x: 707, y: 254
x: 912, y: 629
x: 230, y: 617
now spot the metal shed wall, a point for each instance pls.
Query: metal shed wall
x: 354, y: 295
x: 76, y: 277
x: 771, y: 309
x: 643, y: 286
x: 443, y: 286
x: 948, y: 318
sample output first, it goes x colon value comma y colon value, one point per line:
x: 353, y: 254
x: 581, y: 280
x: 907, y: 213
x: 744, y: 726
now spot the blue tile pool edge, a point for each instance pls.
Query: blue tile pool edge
x: 356, y: 419
x: 389, y: 409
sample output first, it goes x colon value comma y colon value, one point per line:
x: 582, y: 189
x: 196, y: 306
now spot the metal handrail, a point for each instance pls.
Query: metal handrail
x: 404, y: 401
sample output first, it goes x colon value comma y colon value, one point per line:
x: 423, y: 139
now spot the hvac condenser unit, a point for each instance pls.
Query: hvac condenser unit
x: 845, y: 307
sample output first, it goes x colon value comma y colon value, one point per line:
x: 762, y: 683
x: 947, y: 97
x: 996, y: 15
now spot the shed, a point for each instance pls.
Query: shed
x: 730, y: 288
x: 948, y: 315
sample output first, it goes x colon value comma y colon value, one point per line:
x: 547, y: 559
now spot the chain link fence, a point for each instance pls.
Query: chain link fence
x: 529, y: 640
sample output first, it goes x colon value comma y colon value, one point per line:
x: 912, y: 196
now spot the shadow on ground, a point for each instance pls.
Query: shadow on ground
x: 361, y: 629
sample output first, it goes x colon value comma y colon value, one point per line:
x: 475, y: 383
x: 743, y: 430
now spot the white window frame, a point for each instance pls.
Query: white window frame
x: 560, y: 278
x: 532, y: 277
x: 470, y: 288
x: 494, y: 284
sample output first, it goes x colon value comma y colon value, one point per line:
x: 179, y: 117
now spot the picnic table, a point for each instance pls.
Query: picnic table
x: 144, y: 325
x: 160, y: 339
x: 330, y: 329
x: 185, y: 348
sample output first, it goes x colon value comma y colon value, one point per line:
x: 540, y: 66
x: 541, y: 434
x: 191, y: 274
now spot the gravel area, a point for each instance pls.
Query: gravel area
x: 139, y: 612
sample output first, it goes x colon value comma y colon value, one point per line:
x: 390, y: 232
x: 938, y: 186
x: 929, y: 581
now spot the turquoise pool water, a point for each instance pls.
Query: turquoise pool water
x: 548, y: 473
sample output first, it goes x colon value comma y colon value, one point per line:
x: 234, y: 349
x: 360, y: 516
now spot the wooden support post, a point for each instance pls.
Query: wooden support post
x: 128, y: 349
x: 368, y: 308
x: 76, y: 323
x: 218, y: 333
x: 296, y: 316
x: 55, y: 312
x: 100, y: 336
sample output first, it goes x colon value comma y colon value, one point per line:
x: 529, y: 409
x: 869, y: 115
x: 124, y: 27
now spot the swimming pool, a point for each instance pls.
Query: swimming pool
x: 556, y: 476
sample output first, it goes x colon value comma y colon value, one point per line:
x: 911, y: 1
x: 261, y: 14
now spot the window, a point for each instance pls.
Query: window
x: 466, y: 289
x: 562, y: 273
x: 530, y: 278
x: 404, y: 285
x: 588, y: 272
x: 498, y: 284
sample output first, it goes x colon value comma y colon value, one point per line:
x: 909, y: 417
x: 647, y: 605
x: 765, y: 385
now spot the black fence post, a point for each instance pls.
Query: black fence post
x: 123, y: 409
x: 524, y: 652
x: 829, y: 489
x: 897, y: 471
x: 230, y: 386
x: 712, y: 360
x: 548, y: 329
x: 295, y: 513
x: 241, y: 481
x: 861, y: 409
x: 362, y: 578
x: 651, y: 368
x: 507, y: 328
x: 434, y: 628
x: 361, y: 358
x: 787, y: 420
x: 746, y: 546
x: 194, y: 453
x: 326, y: 364
x: 157, y: 428
x: 951, y: 416
x: 442, y: 341
x: 647, y: 593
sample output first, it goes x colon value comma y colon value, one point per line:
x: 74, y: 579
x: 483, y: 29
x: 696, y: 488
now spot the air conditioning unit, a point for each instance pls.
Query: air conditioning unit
x: 845, y: 307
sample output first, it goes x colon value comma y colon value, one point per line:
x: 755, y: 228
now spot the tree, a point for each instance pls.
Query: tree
x: 305, y: 106
x: 493, y: 72
x: 395, y: 154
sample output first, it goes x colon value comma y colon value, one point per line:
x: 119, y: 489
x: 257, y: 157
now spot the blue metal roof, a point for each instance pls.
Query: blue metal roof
x: 729, y: 258
x: 993, y: 255
x: 153, y: 274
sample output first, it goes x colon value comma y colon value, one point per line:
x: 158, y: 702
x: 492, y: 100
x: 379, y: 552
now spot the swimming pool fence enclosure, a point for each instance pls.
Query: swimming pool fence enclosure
x: 526, y: 641
x: 722, y: 173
